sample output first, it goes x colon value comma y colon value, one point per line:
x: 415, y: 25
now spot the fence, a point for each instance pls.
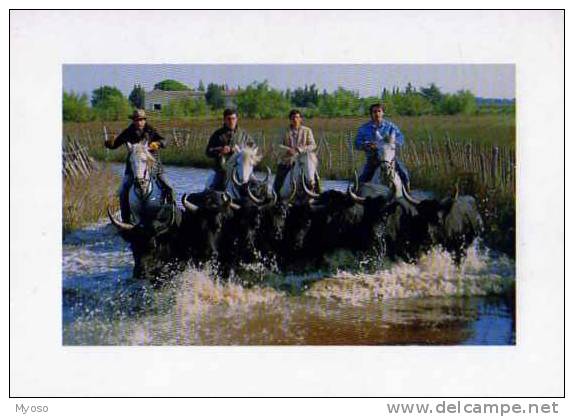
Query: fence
x: 76, y: 161
x: 429, y: 159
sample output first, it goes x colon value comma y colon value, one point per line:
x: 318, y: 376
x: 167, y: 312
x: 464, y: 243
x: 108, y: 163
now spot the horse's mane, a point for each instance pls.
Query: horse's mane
x: 250, y: 152
x: 141, y: 148
x: 300, y: 156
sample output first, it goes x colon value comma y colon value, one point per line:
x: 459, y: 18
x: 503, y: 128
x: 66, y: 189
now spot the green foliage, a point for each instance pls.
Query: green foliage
x: 340, y: 103
x: 462, y: 102
x: 259, y: 101
x: 411, y: 105
x: 170, y: 85
x: 102, y: 95
x: 137, y: 97
x: 109, y: 103
x: 432, y: 93
x: 214, y: 96
x: 185, y: 108
x: 304, y: 97
x: 75, y: 108
x: 116, y: 108
x: 201, y: 86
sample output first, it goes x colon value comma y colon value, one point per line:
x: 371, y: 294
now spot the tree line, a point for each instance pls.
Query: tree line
x: 260, y: 100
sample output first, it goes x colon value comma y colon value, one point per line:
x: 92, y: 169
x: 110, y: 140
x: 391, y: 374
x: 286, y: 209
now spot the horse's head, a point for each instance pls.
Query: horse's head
x: 305, y: 171
x: 387, y: 155
x: 242, y: 164
x: 142, y: 163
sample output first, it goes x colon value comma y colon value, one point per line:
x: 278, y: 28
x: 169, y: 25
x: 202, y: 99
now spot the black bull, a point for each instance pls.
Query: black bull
x: 154, y: 242
x: 371, y: 222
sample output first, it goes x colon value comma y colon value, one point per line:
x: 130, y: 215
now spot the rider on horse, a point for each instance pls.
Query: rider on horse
x: 139, y: 131
x: 370, y: 135
x: 221, y: 146
x: 297, y: 139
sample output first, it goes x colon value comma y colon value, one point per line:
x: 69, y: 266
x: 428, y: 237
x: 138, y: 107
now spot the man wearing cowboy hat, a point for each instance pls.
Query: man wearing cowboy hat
x: 139, y: 131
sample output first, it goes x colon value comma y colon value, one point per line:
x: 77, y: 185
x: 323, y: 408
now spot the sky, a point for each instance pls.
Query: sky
x: 483, y: 80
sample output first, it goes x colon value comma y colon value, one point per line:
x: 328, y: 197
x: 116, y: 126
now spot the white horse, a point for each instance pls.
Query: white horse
x: 239, y: 169
x: 145, y: 195
x: 303, y: 176
x: 387, y: 173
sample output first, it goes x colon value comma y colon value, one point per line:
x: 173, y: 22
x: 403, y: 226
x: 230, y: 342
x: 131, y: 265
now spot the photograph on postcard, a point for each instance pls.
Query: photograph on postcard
x: 303, y: 204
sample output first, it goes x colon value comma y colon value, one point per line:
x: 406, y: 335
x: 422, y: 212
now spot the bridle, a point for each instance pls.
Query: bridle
x: 143, y: 183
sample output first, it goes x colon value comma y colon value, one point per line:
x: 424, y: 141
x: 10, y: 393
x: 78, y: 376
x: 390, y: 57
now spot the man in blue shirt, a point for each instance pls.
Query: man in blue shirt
x: 372, y: 133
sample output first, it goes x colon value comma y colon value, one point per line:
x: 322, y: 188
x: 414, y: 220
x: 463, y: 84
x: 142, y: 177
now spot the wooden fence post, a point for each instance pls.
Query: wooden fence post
x: 494, y: 166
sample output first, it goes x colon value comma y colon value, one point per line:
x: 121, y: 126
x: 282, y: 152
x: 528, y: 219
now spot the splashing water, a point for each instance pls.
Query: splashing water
x: 431, y: 301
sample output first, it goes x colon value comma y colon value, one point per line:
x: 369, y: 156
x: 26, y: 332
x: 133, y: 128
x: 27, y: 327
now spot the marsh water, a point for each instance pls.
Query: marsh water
x: 431, y: 301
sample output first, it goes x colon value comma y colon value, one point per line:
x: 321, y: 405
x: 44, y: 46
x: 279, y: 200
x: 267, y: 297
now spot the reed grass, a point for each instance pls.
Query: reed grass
x: 476, y: 153
x: 86, y: 198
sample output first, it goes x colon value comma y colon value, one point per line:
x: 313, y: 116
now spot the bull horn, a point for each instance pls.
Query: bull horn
x: 235, y: 179
x: 355, y: 197
x: 273, y: 199
x: 172, y: 217
x: 120, y: 225
x: 294, y: 189
x: 188, y: 206
x: 268, y: 176
x: 229, y: 201
x: 456, y: 191
x: 252, y: 197
x: 408, y: 197
x: 307, y: 190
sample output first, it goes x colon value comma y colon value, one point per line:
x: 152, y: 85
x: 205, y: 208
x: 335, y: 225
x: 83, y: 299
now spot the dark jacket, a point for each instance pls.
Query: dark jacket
x: 226, y: 137
x: 133, y: 135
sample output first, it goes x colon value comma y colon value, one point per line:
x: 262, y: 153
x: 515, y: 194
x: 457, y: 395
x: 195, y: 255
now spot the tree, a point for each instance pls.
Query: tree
x: 137, y: 97
x: 410, y: 89
x: 103, y: 94
x: 170, y: 85
x: 432, y: 93
x: 110, y: 104
x: 409, y: 104
x: 201, y: 87
x: 341, y: 102
x: 214, y: 96
x: 461, y: 102
x: 260, y: 101
x: 75, y: 108
x: 186, y: 107
x: 305, y: 97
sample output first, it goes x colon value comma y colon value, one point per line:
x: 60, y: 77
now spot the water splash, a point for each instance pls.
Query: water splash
x: 434, y: 274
